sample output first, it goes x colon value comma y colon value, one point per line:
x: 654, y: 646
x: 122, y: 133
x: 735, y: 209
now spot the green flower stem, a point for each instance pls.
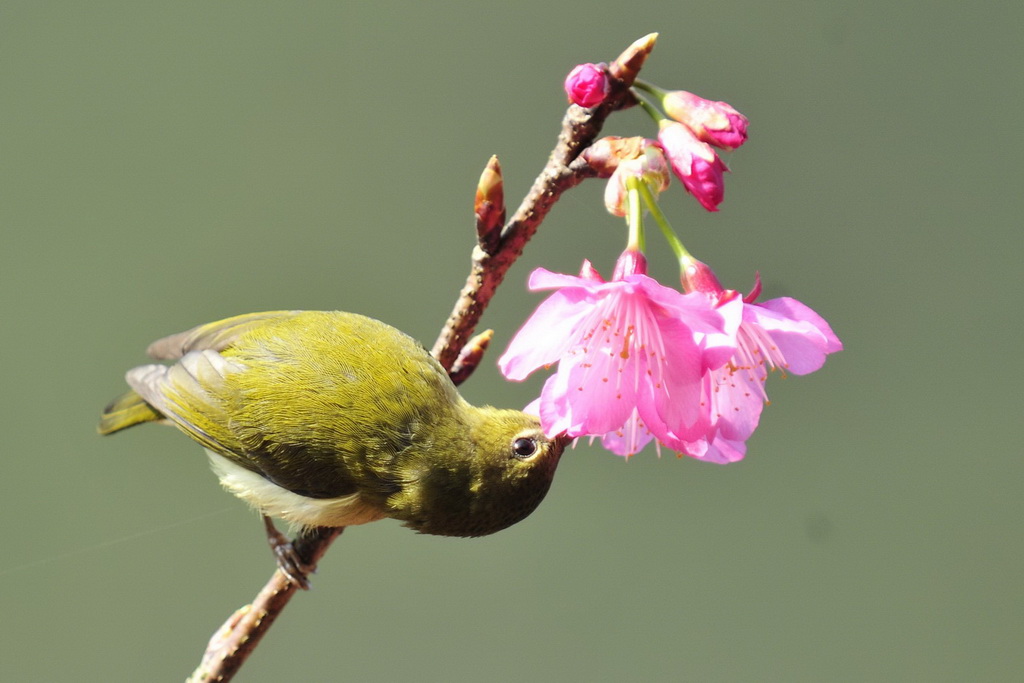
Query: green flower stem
x: 635, y: 218
x: 650, y: 89
x: 682, y: 255
x: 649, y: 108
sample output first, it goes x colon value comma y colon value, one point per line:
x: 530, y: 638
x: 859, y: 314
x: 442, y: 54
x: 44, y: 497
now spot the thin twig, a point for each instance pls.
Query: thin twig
x: 233, y: 642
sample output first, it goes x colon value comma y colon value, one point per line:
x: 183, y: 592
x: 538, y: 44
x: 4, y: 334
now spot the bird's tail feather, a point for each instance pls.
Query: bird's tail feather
x: 126, y: 411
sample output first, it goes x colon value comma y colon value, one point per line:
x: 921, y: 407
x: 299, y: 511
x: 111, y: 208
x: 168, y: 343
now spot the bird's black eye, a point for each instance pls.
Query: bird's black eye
x: 524, y: 447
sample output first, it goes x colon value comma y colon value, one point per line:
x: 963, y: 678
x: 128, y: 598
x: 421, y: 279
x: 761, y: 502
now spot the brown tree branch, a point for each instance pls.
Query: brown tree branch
x: 233, y: 642
x: 494, y: 254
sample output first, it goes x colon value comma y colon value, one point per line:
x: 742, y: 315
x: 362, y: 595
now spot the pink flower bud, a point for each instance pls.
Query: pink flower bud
x: 587, y: 85
x: 631, y: 262
x: 696, y: 164
x: 697, y: 276
x: 713, y: 122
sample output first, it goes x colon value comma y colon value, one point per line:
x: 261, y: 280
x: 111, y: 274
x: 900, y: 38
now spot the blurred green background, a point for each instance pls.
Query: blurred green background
x: 169, y: 164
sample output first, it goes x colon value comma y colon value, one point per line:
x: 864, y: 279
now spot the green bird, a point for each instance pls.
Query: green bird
x: 331, y: 419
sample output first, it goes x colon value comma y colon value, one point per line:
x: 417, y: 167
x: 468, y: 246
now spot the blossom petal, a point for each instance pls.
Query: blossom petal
x: 676, y: 392
x: 796, y: 310
x: 737, y: 401
x: 803, y: 338
x: 695, y: 309
x: 555, y: 416
x: 630, y: 439
x: 542, y: 278
x: 719, y: 347
x: 547, y: 335
x: 599, y: 388
x: 724, y: 451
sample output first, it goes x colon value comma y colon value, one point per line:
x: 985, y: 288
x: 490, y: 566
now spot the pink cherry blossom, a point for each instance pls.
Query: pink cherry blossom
x: 587, y: 85
x: 631, y: 354
x: 717, y: 123
x: 780, y: 334
x: 694, y: 162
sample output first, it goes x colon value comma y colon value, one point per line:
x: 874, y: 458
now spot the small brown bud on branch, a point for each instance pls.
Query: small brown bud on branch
x: 627, y: 65
x: 470, y: 356
x: 489, y: 206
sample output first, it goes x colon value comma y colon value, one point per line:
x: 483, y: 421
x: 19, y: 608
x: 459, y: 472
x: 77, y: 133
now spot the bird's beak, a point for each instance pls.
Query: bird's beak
x: 563, y: 441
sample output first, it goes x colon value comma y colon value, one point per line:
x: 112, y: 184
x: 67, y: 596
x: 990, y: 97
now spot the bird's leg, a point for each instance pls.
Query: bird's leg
x: 289, y: 553
x: 287, y: 557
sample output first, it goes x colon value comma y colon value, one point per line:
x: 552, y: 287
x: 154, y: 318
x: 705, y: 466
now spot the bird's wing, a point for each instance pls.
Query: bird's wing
x: 193, y: 394
x: 215, y: 336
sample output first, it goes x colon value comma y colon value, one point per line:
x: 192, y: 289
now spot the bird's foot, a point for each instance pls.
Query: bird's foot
x: 289, y: 561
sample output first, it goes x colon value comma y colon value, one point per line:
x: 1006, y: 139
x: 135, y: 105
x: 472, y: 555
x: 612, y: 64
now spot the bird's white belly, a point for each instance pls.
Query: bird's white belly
x: 274, y: 501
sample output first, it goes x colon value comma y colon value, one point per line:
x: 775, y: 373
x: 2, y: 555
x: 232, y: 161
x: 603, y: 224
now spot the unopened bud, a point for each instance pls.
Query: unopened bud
x: 697, y: 276
x: 489, y: 206
x: 470, y: 356
x: 627, y: 66
x: 587, y: 85
x: 694, y: 162
x: 717, y: 123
